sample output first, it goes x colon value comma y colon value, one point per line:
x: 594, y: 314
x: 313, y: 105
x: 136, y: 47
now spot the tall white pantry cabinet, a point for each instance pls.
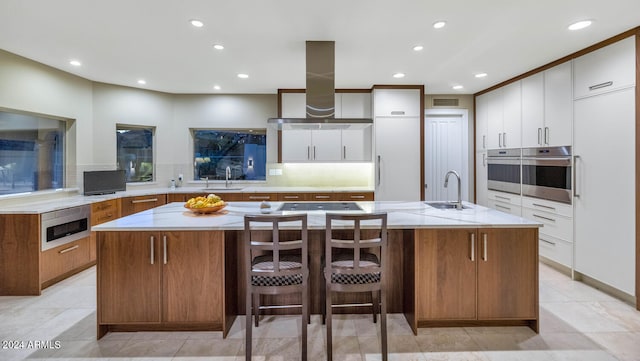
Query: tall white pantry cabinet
x: 605, y: 159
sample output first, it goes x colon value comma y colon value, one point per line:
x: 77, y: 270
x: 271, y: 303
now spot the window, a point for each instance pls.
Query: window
x: 32, y: 153
x: 135, y: 152
x: 244, y: 152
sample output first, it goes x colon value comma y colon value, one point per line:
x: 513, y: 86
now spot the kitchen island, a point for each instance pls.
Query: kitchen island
x: 170, y: 269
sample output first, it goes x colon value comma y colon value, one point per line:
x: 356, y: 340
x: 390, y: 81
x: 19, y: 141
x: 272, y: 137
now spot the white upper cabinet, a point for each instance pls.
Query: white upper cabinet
x: 606, y: 69
x: 482, y: 122
x: 533, y: 110
x: 309, y: 145
x: 558, y: 106
x: 547, y: 107
x: 397, y: 102
x: 353, y: 105
x: 356, y: 144
x: 495, y: 117
x: 505, y: 117
x: 294, y: 105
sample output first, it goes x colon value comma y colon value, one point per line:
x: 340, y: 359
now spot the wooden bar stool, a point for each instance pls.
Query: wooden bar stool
x: 275, y: 267
x: 356, y: 265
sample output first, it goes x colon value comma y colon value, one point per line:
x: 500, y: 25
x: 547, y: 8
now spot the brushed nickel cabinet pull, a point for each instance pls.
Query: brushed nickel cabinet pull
x: 484, y: 248
x: 505, y: 198
x: 291, y: 197
x: 546, y: 135
x: 314, y: 152
x: 601, y: 85
x: 308, y: 152
x: 152, y: 241
x: 379, y: 171
x: 504, y: 139
x: 503, y: 207
x: 499, y: 140
x: 548, y: 242
x: 484, y: 142
x: 69, y: 249
x: 321, y: 197
x: 473, y: 247
x: 356, y: 197
x: 575, y: 173
x: 545, y: 218
x: 539, y: 136
x: 484, y: 159
x: 344, y: 152
x: 397, y: 112
x: 259, y: 197
x: 164, y: 248
x: 144, y: 200
x: 543, y: 206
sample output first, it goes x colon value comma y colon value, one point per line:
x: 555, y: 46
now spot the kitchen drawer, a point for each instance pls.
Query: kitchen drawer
x: 556, y: 249
x: 554, y: 225
x: 322, y: 197
x: 504, y: 197
x: 104, y: 211
x: 505, y: 207
x: 354, y: 197
x: 293, y: 197
x: 561, y: 209
x: 257, y: 197
x: 64, y: 258
x: 131, y: 205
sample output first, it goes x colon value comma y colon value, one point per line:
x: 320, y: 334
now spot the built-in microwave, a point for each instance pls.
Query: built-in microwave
x: 504, y: 170
x: 546, y: 173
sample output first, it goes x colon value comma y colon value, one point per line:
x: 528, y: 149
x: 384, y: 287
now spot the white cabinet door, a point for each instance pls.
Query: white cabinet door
x: 397, y: 173
x: 397, y: 102
x: 296, y: 145
x: 355, y: 105
x: 604, y: 141
x: 495, y: 119
x: 558, y: 106
x: 482, y: 122
x: 356, y: 144
x: 326, y: 145
x: 294, y: 105
x: 533, y: 110
x: 512, y: 110
x: 481, y: 178
x: 606, y: 69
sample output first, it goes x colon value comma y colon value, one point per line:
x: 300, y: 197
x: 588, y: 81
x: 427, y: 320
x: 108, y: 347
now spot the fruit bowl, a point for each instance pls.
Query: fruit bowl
x: 205, y: 210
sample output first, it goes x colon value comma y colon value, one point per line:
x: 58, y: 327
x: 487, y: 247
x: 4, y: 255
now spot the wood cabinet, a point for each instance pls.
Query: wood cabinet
x: 183, y: 197
x: 62, y: 260
x: 607, y: 69
x: 258, y: 197
x: 19, y: 254
x: 162, y: 278
x: 293, y: 197
x: 102, y: 212
x: 131, y: 205
x: 475, y: 275
x: 354, y: 196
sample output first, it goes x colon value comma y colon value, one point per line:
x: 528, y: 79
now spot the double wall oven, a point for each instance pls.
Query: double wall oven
x: 546, y: 173
x: 504, y: 170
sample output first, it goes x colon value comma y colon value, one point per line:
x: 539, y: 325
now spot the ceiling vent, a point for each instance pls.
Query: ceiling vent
x: 446, y: 102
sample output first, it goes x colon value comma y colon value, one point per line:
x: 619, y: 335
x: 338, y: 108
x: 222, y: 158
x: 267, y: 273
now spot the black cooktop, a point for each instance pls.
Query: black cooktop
x: 323, y: 206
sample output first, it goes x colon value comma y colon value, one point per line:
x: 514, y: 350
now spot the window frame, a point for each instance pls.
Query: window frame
x: 152, y: 128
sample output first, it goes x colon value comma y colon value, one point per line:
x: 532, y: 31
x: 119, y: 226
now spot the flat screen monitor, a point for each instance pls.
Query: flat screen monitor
x: 104, y: 182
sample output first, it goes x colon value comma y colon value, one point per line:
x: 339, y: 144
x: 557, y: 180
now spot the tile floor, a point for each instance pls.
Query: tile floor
x: 578, y: 323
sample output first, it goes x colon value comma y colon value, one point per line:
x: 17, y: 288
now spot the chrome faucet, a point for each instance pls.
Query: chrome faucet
x: 227, y: 175
x: 207, y: 180
x: 446, y: 182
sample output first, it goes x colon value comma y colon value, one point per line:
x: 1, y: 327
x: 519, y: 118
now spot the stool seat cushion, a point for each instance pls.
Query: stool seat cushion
x: 345, y: 260
x: 265, y: 263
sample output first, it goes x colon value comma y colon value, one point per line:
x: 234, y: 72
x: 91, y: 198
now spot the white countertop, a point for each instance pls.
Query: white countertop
x: 401, y: 215
x: 33, y: 206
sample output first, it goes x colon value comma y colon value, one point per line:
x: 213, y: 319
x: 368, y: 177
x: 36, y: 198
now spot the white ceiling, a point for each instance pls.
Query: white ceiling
x: 121, y: 41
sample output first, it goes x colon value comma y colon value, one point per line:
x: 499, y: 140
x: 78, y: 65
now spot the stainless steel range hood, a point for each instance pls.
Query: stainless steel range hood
x: 320, y: 90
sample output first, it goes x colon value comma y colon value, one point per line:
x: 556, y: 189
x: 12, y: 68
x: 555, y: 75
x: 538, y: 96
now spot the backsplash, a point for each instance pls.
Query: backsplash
x: 320, y: 174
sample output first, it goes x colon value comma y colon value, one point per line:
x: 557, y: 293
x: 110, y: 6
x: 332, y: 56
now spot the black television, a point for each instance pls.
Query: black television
x: 104, y: 182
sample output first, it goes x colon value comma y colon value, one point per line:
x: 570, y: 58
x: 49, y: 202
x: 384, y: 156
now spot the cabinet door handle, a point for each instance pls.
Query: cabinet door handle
x: 148, y: 200
x: 484, y: 142
x: 308, y: 152
x: 314, y: 152
x: 473, y: 247
x: 546, y: 135
x: 152, y: 241
x: 504, y: 139
x: 69, y: 249
x: 545, y: 218
x: 548, y: 242
x: 539, y: 136
x: 575, y: 173
x: 543, y: 206
x: 499, y: 140
x: 379, y: 171
x: 356, y: 197
x: 259, y: 197
x: 601, y: 85
x: 321, y: 197
x: 164, y: 249
x: 505, y: 198
x: 291, y: 197
x: 503, y: 207
x: 484, y: 247
x: 344, y: 152
x: 484, y: 159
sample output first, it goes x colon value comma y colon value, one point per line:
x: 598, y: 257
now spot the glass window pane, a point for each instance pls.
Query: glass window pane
x: 32, y: 153
x: 135, y: 153
x: 243, y: 151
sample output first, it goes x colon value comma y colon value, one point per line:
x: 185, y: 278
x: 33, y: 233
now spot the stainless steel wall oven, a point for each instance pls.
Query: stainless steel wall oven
x: 546, y: 173
x: 504, y: 170
x: 64, y: 226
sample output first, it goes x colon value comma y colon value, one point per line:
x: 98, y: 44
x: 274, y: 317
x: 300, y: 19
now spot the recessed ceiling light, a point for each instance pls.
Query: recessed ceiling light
x: 142, y: 82
x: 75, y: 63
x: 481, y: 75
x: 580, y: 25
x: 439, y: 24
x: 216, y: 87
x: 398, y: 75
x: 457, y: 87
x: 218, y: 46
x: 243, y: 76
x: 197, y: 23
x: 418, y: 47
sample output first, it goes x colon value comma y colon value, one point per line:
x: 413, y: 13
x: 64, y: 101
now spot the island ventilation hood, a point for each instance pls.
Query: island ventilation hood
x: 320, y: 91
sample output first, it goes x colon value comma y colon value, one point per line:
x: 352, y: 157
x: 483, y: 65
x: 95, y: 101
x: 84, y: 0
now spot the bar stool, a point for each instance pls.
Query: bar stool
x: 275, y: 266
x: 351, y: 265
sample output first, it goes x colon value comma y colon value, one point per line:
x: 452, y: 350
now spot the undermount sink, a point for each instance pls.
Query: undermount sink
x: 222, y: 189
x: 443, y: 205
